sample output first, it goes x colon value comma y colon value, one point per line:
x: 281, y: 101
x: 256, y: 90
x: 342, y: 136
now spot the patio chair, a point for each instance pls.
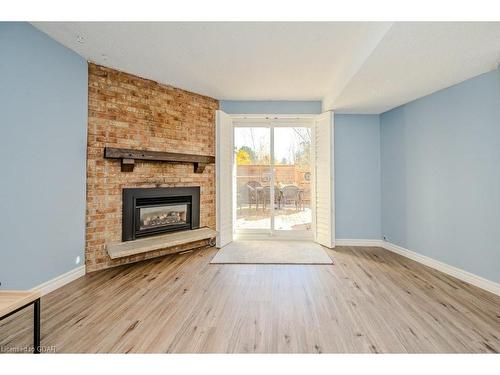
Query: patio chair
x: 247, y: 195
x: 257, y: 187
x: 254, y: 184
x: 266, y: 191
x: 291, y: 195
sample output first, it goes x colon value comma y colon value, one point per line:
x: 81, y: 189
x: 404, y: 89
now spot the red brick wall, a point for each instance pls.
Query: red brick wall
x: 130, y: 112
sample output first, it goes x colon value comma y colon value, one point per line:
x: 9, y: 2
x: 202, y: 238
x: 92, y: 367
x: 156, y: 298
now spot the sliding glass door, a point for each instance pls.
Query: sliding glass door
x: 253, y: 178
x: 273, y: 179
x: 292, y: 171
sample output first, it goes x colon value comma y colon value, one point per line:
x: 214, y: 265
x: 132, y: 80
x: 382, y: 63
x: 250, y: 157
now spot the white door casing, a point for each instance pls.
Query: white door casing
x: 323, y: 200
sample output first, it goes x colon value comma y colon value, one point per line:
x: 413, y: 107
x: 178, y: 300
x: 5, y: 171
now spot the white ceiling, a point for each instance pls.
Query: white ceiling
x: 354, y: 67
x: 415, y: 59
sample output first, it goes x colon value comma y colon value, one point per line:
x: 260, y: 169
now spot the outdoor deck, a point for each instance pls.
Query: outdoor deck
x: 284, y: 219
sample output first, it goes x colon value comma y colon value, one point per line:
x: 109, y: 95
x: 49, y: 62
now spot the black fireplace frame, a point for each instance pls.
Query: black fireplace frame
x: 129, y: 204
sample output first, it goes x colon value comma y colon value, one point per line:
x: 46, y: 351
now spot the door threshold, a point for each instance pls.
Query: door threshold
x: 273, y: 237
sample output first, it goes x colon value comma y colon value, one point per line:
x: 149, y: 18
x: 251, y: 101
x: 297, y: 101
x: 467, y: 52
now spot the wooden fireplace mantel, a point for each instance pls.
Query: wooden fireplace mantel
x: 128, y: 157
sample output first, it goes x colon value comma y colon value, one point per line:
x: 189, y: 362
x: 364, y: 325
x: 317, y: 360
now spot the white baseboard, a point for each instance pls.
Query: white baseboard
x: 460, y: 274
x: 360, y: 242
x: 60, y: 280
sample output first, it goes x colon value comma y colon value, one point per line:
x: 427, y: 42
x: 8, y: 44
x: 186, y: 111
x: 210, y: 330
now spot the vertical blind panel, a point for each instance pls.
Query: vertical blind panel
x: 223, y: 172
x: 324, y: 180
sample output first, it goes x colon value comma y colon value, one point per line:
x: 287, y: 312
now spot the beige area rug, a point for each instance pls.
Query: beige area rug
x: 272, y: 252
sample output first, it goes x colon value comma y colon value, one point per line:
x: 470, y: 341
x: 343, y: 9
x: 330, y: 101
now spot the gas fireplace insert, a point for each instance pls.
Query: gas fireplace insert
x: 151, y: 211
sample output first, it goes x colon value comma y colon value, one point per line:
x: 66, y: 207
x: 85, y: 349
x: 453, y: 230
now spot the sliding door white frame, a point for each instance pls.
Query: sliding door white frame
x: 271, y: 122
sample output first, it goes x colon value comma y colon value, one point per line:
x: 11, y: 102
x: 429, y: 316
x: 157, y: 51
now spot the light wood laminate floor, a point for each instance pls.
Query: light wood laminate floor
x: 369, y: 301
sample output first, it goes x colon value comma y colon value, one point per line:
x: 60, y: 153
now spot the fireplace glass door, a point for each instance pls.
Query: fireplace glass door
x: 154, y: 217
x: 161, y: 218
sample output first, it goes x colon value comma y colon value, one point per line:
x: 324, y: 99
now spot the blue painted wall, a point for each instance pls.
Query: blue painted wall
x: 285, y: 107
x: 357, y: 177
x: 43, y: 115
x: 441, y: 175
